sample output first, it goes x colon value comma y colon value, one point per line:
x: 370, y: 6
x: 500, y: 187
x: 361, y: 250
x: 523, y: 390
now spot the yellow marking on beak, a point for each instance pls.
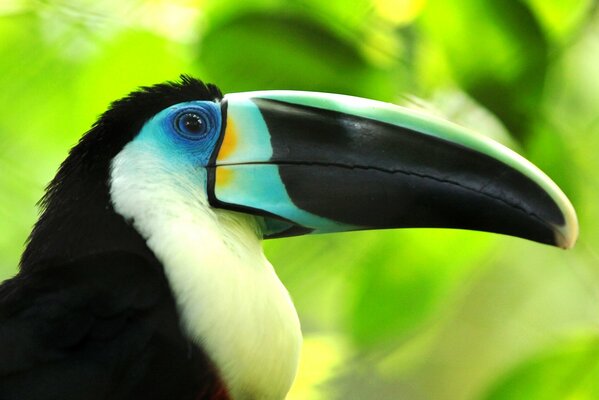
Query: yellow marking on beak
x: 223, y: 176
x: 229, y: 143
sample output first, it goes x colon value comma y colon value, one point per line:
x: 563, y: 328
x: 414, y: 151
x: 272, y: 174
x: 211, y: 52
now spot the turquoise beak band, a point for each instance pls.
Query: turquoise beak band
x: 317, y: 162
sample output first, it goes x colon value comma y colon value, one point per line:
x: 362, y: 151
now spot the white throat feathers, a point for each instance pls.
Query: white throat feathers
x: 229, y: 298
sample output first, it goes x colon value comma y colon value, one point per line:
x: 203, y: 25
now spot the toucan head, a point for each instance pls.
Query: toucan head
x: 306, y: 162
x: 291, y: 163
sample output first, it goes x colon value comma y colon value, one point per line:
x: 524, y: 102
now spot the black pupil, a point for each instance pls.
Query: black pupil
x: 192, y: 123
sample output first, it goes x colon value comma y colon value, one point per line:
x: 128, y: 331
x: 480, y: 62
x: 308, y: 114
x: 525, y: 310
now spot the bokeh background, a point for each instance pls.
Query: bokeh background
x: 405, y: 314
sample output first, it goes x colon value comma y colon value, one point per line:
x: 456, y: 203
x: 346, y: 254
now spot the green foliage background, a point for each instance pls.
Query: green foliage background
x: 420, y: 314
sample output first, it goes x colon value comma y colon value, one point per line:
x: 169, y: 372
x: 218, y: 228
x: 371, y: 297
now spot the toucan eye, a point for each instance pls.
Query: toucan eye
x: 191, y: 125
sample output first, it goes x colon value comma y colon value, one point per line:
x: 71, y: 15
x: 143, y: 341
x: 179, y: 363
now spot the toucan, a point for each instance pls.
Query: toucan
x: 145, y: 278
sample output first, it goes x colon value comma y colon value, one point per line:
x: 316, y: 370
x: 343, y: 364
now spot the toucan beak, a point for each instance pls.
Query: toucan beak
x: 316, y: 162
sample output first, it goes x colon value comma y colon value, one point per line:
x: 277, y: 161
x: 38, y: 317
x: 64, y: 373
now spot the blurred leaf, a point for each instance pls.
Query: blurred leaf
x: 321, y: 356
x: 564, y: 142
x: 551, y: 151
x: 520, y: 299
x: 567, y: 371
x: 399, y: 12
x: 340, y: 15
x: 497, y: 52
x: 262, y: 50
x: 407, y: 276
x: 560, y: 18
x: 135, y: 50
x: 34, y: 79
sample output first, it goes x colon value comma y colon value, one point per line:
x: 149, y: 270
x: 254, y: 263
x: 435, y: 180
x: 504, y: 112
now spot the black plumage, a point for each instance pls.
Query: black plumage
x: 90, y: 314
x: 102, y: 326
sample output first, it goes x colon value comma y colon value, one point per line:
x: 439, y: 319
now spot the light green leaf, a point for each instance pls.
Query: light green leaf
x: 567, y: 371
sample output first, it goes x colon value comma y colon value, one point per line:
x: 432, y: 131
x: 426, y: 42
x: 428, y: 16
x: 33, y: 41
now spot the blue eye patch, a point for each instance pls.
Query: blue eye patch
x: 189, y: 130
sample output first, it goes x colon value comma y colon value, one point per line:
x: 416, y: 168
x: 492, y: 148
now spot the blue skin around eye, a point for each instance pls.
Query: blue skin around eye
x: 161, y: 130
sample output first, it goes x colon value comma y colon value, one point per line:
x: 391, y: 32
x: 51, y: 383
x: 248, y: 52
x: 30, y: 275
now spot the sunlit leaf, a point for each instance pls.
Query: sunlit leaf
x: 399, y: 12
x: 561, y: 18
